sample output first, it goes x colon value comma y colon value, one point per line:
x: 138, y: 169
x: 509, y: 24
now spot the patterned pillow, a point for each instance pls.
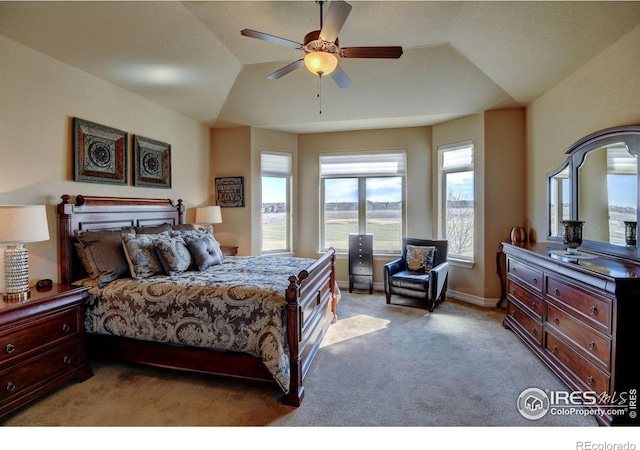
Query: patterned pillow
x: 205, y: 250
x: 141, y: 254
x: 173, y: 254
x: 420, y: 259
x: 102, y: 255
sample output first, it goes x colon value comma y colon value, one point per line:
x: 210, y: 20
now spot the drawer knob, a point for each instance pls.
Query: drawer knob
x: 514, y: 270
x: 556, y: 291
x: 11, y: 386
x: 513, y: 292
x: 590, y: 381
x: 534, y: 305
x: 592, y: 345
x: 66, y: 328
x: 535, y: 281
x: 554, y: 350
x: 593, y: 310
x: 556, y: 320
x: 66, y: 360
x: 10, y: 348
x: 533, y: 330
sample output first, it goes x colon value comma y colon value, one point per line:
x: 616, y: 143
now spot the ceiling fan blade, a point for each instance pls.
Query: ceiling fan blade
x: 371, y: 52
x: 335, y: 19
x: 286, y: 69
x: 270, y: 38
x: 341, y: 78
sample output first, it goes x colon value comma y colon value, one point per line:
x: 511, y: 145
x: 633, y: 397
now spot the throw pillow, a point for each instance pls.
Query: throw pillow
x: 141, y: 254
x: 102, y: 255
x: 204, y: 250
x: 173, y: 254
x: 419, y: 258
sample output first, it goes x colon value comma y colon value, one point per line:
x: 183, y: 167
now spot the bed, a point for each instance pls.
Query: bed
x: 264, y: 317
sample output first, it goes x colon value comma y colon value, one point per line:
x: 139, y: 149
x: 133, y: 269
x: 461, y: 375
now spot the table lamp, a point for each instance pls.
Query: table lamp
x: 20, y: 224
x: 208, y: 215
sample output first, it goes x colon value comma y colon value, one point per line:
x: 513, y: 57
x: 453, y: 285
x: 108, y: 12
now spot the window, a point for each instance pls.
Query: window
x: 363, y: 193
x: 457, y: 199
x: 276, y: 171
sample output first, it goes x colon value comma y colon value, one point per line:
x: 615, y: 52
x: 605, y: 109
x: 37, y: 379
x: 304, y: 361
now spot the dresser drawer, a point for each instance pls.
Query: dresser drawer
x: 596, y: 310
x: 594, y: 344
x: 528, y: 275
x: 580, y: 370
x: 22, y: 340
x: 532, y: 327
x: 531, y: 301
x: 22, y: 377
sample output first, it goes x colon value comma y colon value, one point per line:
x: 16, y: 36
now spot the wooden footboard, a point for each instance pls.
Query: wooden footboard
x: 311, y: 297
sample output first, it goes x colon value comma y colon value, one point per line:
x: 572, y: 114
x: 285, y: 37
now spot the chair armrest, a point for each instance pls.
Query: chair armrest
x: 394, y: 266
x: 438, y: 279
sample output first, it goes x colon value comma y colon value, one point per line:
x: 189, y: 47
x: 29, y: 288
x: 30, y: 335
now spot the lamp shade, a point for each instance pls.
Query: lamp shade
x: 23, y: 223
x: 208, y: 214
x: 320, y: 63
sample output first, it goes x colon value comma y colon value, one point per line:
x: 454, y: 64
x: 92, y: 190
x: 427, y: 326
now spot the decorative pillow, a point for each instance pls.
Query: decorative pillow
x: 199, y: 234
x: 173, y: 254
x: 183, y: 227
x: 102, y: 255
x: 153, y: 230
x: 205, y: 250
x: 141, y: 254
x: 420, y: 259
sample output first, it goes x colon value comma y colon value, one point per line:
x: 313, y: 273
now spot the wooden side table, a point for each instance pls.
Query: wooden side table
x: 42, y: 344
x: 228, y: 250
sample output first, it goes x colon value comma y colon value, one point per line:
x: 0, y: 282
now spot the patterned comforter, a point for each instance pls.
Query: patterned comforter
x: 238, y: 306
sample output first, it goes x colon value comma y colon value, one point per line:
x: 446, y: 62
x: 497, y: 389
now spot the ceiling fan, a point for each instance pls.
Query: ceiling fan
x: 322, y: 47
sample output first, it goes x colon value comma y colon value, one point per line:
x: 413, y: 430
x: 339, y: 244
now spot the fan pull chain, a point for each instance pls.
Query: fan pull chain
x: 320, y: 93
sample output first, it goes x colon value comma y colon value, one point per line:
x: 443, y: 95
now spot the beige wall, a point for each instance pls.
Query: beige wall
x: 602, y: 94
x: 40, y: 96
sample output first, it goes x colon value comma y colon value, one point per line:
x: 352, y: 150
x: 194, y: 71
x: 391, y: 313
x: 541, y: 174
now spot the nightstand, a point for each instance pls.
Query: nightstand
x: 228, y: 250
x: 42, y: 344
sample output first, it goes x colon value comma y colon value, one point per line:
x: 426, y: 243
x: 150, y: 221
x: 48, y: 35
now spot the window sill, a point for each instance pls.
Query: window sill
x: 466, y: 264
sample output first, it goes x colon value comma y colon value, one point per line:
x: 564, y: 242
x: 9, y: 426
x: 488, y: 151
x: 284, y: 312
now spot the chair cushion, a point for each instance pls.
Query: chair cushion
x: 420, y: 259
x: 410, y: 280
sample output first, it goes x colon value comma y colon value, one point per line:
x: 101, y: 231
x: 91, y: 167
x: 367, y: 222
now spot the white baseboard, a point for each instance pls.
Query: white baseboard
x: 461, y: 296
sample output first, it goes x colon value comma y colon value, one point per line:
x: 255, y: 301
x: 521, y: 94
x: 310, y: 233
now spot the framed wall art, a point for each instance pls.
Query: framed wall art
x: 230, y: 192
x: 151, y: 163
x: 99, y: 153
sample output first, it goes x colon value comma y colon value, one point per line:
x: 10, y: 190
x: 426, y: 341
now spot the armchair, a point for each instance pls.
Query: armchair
x: 419, y: 272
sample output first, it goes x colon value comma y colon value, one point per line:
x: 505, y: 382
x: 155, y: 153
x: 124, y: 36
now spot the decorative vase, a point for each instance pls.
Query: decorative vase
x: 518, y: 235
x: 572, y: 234
x: 630, y: 229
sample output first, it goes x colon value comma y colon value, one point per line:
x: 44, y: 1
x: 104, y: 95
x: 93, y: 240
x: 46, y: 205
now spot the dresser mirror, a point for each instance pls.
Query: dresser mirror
x: 598, y: 184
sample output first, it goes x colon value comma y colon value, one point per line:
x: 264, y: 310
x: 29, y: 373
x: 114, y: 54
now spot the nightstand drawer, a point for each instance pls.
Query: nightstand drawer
x: 21, y: 378
x: 23, y: 340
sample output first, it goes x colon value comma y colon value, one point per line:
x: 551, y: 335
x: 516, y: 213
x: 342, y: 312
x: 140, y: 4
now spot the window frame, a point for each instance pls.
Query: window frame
x: 443, y: 195
x: 265, y: 173
x: 362, y: 178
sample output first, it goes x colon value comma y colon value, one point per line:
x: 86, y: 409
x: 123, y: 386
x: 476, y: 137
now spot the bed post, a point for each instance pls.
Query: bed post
x: 296, y: 390
x: 181, y: 211
x: 65, y: 209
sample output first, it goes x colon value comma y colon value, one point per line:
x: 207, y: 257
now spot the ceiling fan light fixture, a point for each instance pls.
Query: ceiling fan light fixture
x: 320, y: 63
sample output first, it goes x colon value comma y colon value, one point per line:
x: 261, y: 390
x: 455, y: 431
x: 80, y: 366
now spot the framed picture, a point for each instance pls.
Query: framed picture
x: 151, y: 163
x: 230, y: 192
x: 99, y: 153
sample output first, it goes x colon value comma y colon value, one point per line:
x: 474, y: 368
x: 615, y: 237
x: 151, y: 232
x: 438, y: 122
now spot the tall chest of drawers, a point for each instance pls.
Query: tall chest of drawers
x: 361, y: 261
x: 42, y: 344
x: 580, y: 316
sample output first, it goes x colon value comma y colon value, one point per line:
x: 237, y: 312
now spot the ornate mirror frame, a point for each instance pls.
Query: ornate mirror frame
x: 562, y: 205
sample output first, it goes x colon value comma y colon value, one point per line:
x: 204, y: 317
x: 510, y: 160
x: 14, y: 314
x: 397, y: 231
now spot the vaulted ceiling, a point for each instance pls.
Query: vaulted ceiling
x: 459, y: 58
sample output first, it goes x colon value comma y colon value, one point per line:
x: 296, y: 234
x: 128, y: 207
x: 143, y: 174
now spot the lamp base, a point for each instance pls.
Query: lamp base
x: 16, y: 296
x: 16, y: 271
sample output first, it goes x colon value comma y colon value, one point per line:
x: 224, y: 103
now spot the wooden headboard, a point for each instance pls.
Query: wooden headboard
x: 91, y: 213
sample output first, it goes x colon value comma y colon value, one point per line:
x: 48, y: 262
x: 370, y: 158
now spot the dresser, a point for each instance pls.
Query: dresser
x: 42, y: 344
x: 361, y: 261
x: 581, y: 317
